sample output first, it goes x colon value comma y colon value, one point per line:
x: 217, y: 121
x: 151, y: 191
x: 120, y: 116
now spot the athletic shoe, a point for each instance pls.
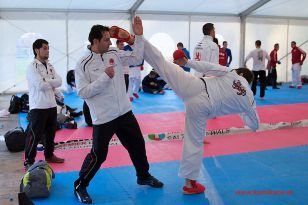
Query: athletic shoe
x: 291, y: 86
x: 262, y: 98
x: 54, y: 159
x: 299, y: 87
x: 196, y: 188
x: 136, y: 95
x: 151, y: 181
x: 82, y: 194
x: 131, y: 99
x: 276, y: 88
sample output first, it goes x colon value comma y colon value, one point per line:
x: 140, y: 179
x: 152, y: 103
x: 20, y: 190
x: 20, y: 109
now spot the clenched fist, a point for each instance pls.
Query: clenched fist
x: 110, y: 71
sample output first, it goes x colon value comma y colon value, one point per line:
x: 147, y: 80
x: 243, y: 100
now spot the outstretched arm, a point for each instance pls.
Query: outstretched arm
x: 209, y: 69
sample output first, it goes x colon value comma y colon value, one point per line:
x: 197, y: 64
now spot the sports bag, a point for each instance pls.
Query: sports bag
x: 15, y: 139
x: 37, y: 181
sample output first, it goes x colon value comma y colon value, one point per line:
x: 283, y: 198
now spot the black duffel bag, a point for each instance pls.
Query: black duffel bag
x: 15, y: 139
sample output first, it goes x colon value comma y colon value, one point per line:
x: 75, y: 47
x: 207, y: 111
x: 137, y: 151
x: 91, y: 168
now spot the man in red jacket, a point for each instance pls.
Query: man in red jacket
x: 297, y: 62
x: 272, y: 73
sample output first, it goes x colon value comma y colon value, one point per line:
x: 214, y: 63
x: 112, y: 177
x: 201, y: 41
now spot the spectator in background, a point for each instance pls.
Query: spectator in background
x: 228, y: 51
x: 206, y: 50
x: 150, y: 84
x: 70, y: 80
x: 134, y: 77
x: 181, y: 47
x: 259, y: 70
x: 272, y: 72
x: 222, y: 54
x: 120, y: 46
x: 297, y: 62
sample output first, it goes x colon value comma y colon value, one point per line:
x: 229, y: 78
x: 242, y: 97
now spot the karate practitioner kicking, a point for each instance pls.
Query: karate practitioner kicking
x: 225, y: 92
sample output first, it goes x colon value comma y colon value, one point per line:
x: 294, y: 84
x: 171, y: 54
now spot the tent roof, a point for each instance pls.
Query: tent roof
x: 272, y: 8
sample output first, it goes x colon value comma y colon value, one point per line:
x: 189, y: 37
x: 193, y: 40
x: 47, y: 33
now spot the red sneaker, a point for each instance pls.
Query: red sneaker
x: 136, y: 95
x: 131, y: 99
x: 196, y: 188
x: 299, y: 87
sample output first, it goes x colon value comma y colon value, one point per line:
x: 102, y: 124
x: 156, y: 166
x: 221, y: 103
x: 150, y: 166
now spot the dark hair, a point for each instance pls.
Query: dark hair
x: 215, y: 40
x: 152, y: 72
x: 246, y: 73
x: 293, y: 42
x: 180, y: 44
x: 276, y: 44
x: 38, y: 44
x: 70, y: 78
x: 207, y: 28
x: 258, y: 42
x: 224, y: 42
x: 96, y: 32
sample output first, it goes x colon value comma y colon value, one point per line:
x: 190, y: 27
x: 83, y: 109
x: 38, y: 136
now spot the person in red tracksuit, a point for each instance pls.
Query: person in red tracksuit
x: 272, y: 73
x: 222, y: 54
x: 297, y: 62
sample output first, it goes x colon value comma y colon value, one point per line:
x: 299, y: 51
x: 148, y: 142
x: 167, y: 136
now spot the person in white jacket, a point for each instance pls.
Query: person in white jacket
x: 206, y: 50
x: 42, y: 82
x: 100, y: 82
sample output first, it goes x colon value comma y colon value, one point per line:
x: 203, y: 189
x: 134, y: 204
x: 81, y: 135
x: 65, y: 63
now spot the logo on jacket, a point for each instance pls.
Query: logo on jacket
x: 237, y: 85
x: 111, y: 61
x: 198, y: 56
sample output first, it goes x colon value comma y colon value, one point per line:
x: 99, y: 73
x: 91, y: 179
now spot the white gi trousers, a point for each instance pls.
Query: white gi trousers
x: 192, y: 90
x: 134, y: 80
x: 296, y: 74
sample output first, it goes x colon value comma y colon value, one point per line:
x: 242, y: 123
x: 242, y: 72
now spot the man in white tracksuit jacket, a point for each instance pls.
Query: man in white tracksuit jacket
x: 42, y: 82
x: 225, y: 93
x: 206, y: 50
x: 100, y: 82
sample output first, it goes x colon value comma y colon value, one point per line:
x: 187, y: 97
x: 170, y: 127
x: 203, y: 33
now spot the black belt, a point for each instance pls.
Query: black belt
x: 205, y: 86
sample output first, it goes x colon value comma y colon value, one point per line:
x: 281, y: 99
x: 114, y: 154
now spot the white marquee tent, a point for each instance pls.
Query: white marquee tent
x: 66, y: 23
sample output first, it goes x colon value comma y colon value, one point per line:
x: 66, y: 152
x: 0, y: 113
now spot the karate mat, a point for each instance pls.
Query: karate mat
x: 272, y: 177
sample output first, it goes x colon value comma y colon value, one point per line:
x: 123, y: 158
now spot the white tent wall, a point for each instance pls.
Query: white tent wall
x: 67, y: 33
x: 56, y: 28
x: 51, y: 26
x: 298, y: 32
x: 282, y: 31
x: 79, y: 25
x: 165, y: 31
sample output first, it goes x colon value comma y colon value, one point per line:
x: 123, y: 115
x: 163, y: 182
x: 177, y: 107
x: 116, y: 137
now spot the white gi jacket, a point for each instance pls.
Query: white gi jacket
x: 258, y: 55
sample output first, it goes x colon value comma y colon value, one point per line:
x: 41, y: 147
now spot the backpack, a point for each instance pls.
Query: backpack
x: 25, y: 103
x: 36, y: 183
x: 15, y: 139
x: 15, y: 104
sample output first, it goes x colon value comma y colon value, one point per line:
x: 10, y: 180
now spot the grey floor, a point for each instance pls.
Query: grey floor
x: 11, y: 169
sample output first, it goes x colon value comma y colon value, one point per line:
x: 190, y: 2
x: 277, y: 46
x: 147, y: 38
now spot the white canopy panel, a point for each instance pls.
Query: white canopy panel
x: 198, y: 6
x: 284, y: 8
x: 68, y: 4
